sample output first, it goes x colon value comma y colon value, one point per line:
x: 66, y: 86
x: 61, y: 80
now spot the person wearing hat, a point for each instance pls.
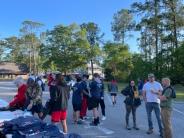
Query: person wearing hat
x: 34, y: 97
x: 77, y: 100
x: 96, y: 88
x: 151, y: 92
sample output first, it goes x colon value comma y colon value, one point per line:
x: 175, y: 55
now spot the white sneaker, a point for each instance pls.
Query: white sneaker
x: 104, y: 118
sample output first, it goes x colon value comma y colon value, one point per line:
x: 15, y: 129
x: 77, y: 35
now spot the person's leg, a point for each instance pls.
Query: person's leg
x: 113, y: 99
x: 128, y: 110
x: 102, y: 105
x: 158, y: 116
x: 166, y: 119
x: 134, y: 117
x: 83, y: 108
x: 149, y: 109
x: 64, y: 125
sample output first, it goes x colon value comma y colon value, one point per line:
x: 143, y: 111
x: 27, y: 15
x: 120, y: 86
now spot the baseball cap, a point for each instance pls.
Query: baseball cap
x: 151, y: 75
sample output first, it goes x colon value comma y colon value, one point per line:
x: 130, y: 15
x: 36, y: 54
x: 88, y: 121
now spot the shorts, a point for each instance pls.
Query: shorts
x: 93, y: 103
x: 113, y: 94
x: 58, y: 116
x: 38, y: 108
x: 77, y: 107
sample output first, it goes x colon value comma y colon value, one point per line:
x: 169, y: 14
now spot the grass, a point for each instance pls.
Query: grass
x: 179, y: 90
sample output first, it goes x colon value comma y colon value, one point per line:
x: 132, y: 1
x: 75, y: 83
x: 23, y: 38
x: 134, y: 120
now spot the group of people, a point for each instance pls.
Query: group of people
x: 89, y: 95
x: 158, y: 98
x: 86, y: 95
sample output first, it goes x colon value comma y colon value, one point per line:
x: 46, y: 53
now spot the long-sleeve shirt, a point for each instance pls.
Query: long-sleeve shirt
x: 34, y: 94
x: 20, y: 98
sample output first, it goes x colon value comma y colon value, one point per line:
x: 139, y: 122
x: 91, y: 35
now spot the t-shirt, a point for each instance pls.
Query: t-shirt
x: 77, y: 91
x: 151, y: 97
x: 167, y: 103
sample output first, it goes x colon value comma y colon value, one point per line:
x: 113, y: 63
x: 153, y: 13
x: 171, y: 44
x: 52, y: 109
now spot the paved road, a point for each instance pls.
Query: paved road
x: 114, y: 126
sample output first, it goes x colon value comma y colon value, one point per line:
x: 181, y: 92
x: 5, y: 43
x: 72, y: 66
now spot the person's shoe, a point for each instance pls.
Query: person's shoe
x: 94, y: 123
x: 128, y: 127
x: 161, y: 135
x: 104, y: 118
x: 136, y: 128
x: 79, y: 122
x: 150, y: 131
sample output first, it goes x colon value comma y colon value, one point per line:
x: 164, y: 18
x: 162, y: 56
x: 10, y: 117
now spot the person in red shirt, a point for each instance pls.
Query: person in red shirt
x: 20, y: 98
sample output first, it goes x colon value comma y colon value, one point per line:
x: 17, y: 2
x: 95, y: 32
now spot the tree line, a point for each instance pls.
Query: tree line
x: 65, y: 48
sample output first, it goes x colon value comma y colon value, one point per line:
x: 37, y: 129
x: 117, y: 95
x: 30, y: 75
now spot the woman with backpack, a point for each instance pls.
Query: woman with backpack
x: 59, y: 99
x: 132, y: 101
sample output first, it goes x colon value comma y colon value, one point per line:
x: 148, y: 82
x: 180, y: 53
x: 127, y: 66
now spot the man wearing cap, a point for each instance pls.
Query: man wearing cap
x: 151, y: 91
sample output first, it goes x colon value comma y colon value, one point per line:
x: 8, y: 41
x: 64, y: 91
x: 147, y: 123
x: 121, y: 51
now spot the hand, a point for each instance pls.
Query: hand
x: 29, y: 106
x: 7, y: 107
x: 102, y: 98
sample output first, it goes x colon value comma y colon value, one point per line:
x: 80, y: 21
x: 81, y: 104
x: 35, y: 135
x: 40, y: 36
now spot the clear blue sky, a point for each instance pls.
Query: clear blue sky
x: 54, y: 12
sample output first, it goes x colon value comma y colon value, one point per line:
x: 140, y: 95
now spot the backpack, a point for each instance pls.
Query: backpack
x: 173, y: 94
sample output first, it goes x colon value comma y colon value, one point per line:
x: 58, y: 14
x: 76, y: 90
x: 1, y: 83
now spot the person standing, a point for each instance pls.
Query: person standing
x: 77, y: 100
x: 113, y: 90
x: 132, y: 101
x: 166, y: 107
x: 151, y: 91
x: 59, y: 99
x: 102, y: 103
x: 84, y: 107
x: 95, y: 90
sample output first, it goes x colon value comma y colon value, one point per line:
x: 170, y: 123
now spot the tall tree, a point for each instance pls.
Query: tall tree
x: 30, y: 33
x: 117, y: 60
x: 67, y: 47
x: 122, y: 23
x: 94, y: 37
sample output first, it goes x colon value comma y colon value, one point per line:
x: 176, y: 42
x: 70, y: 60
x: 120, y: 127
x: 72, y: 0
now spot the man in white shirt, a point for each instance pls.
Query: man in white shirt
x: 151, y: 91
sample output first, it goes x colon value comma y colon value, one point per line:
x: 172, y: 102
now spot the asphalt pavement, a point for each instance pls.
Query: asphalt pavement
x: 114, y: 125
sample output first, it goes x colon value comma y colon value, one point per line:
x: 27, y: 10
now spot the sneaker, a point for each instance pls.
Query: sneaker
x: 79, y: 122
x: 104, y: 118
x: 128, y: 127
x: 93, y: 124
x: 150, y: 131
x: 136, y: 128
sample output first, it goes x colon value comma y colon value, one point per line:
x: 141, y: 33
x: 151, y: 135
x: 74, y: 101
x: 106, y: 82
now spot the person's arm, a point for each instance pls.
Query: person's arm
x: 53, y: 93
x: 167, y: 95
x: 125, y: 91
x: 144, y: 93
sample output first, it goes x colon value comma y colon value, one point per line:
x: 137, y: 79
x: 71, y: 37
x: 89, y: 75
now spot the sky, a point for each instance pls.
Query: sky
x: 54, y: 12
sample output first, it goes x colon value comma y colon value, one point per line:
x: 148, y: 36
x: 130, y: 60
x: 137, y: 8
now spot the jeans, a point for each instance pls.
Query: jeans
x: 129, y: 109
x: 150, y: 106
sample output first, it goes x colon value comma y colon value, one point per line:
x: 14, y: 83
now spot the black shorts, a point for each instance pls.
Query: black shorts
x: 93, y: 103
x: 77, y: 107
x: 38, y: 108
x: 113, y: 94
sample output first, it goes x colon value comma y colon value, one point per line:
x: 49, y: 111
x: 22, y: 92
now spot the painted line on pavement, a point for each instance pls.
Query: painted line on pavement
x: 14, y: 93
x: 105, y: 130
x: 102, y: 129
x: 8, y: 88
x: 178, y: 111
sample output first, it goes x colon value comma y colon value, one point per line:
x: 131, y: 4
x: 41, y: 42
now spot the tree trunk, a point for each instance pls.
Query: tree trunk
x: 92, y: 69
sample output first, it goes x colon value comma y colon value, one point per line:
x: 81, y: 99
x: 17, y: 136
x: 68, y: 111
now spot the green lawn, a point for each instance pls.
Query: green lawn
x: 179, y: 90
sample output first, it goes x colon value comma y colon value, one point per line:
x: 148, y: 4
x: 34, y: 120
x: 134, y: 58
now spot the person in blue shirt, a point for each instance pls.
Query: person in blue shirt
x: 77, y: 100
x: 96, y: 93
x: 140, y: 86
